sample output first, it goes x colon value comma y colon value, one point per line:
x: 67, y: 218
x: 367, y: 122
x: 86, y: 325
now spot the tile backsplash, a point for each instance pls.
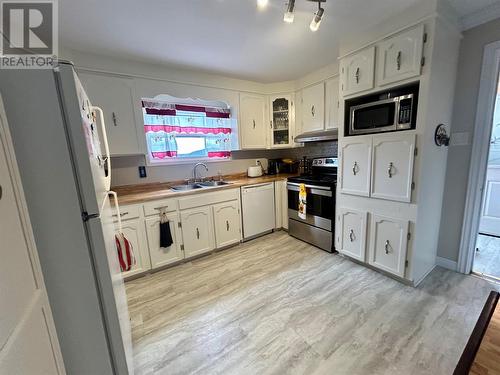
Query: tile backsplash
x: 125, y: 168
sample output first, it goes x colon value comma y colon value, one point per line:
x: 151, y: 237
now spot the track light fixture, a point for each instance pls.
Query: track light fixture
x: 318, y: 16
x: 289, y: 15
x: 262, y: 4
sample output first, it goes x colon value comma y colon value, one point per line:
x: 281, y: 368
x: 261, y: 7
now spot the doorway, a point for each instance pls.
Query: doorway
x: 486, y: 260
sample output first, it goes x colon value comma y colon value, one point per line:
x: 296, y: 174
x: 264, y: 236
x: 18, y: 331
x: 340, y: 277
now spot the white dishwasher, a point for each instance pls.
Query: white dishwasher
x: 257, y: 204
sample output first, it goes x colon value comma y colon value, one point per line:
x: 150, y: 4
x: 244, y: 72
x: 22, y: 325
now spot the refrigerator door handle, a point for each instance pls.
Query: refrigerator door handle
x: 117, y: 208
x: 106, y: 145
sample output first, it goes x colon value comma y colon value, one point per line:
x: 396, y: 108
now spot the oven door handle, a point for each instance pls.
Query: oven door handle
x: 317, y: 190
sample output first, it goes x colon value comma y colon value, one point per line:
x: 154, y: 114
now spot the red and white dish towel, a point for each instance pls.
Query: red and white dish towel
x: 124, y: 247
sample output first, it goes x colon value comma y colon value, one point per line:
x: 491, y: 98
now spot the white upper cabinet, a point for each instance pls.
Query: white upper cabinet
x: 400, y: 56
x: 392, y: 170
x: 388, y: 245
x: 227, y: 223
x: 357, y: 71
x: 115, y: 96
x: 282, y: 116
x: 353, y: 233
x: 355, y: 165
x: 253, y: 128
x: 197, y: 231
x: 332, y: 103
x: 313, y: 108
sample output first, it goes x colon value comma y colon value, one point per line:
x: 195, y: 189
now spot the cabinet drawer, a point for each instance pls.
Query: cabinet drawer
x: 389, y: 241
x: 205, y: 199
x: 353, y: 233
x: 153, y: 208
x: 127, y: 212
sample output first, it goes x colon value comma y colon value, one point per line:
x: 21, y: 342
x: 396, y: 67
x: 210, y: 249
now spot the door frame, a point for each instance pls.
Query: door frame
x: 479, y: 157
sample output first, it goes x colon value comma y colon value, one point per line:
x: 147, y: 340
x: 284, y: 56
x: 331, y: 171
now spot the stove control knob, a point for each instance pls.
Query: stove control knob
x: 320, y: 161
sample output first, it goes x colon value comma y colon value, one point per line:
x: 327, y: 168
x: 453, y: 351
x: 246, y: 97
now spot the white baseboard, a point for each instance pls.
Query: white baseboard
x: 446, y: 263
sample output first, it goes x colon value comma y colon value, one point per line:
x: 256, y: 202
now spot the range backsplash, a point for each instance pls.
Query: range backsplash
x: 310, y: 150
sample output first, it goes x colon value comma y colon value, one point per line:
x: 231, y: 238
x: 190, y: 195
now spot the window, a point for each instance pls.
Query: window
x: 184, y: 129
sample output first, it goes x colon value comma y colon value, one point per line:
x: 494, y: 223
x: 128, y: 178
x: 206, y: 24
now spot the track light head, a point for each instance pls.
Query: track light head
x: 262, y: 4
x: 318, y: 16
x: 289, y: 15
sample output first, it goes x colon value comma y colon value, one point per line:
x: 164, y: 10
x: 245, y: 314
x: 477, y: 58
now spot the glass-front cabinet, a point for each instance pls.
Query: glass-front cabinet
x: 282, y: 120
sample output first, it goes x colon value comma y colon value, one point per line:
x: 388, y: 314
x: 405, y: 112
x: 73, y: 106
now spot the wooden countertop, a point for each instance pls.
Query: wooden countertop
x: 130, y: 194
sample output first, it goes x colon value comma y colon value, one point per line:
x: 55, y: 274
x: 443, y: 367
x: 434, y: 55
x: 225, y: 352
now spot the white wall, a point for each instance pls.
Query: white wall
x: 464, y: 114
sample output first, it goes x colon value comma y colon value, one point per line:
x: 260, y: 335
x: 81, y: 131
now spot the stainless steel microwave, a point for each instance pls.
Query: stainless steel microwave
x: 396, y: 113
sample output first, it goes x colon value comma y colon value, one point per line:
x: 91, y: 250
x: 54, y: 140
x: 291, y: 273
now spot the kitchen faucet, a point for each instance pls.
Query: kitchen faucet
x: 194, y: 170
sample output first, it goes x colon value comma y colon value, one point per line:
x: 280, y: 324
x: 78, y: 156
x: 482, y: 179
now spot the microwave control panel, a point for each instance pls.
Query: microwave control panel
x: 405, y: 106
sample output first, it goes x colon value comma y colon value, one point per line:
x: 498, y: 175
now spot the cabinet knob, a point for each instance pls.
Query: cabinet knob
x: 398, y: 60
x: 227, y: 225
x: 312, y: 111
x: 389, y: 169
x: 115, y: 119
x: 351, y: 235
x: 1, y: 192
x: 197, y: 233
x: 387, y: 244
x: 355, y: 168
x: 356, y: 75
x: 253, y: 124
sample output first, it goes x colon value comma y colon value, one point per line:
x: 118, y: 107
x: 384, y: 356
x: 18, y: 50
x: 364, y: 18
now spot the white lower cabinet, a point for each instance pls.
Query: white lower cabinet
x: 162, y: 256
x: 353, y: 233
x: 227, y: 223
x: 135, y: 232
x: 197, y: 231
x: 388, y: 245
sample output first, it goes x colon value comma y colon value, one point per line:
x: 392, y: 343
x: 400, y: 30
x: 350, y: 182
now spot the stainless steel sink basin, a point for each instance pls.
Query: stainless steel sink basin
x: 213, y: 183
x: 186, y: 187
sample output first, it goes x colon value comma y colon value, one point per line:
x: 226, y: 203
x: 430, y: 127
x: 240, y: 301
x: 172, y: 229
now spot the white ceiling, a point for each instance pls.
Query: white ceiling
x: 231, y: 37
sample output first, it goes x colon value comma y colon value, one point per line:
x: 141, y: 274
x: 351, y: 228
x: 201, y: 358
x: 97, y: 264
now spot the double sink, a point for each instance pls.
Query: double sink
x: 199, y: 185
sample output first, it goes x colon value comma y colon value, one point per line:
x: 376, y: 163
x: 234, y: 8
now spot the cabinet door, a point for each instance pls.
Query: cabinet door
x: 392, y: 170
x: 353, y: 233
x: 332, y: 103
x: 357, y: 71
x: 115, y: 96
x: 400, y: 57
x: 197, y: 231
x: 135, y: 232
x: 253, y: 126
x: 161, y: 256
x: 355, y: 165
x: 389, y: 240
x: 281, y: 113
x: 313, y: 108
x: 227, y: 223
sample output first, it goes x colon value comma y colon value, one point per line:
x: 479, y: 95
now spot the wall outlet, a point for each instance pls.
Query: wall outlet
x: 142, y: 172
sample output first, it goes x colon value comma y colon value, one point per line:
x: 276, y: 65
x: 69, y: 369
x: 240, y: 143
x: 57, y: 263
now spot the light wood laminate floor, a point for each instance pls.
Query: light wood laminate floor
x: 277, y: 305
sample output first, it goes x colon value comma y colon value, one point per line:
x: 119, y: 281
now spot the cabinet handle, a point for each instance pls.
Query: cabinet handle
x: 351, y: 235
x: 253, y: 124
x: 271, y: 124
x: 1, y: 192
x: 387, y: 244
x: 398, y: 60
x: 122, y: 214
x: 312, y: 111
x: 389, y: 169
x: 197, y: 233
x: 355, y: 168
x: 115, y: 120
x: 357, y: 75
x: 227, y: 225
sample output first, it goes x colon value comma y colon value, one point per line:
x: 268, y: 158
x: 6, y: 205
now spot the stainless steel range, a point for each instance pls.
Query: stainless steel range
x: 319, y: 225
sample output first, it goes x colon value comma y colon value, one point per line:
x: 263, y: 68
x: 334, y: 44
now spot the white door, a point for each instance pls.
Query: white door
x: 353, y: 233
x: 115, y: 96
x: 357, y: 72
x: 281, y: 114
x: 392, y: 169
x: 253, y: 128
x: 28, y: 340
x: 197, y: 231
x: 227, y: 223
x: 389, y: 239
x: 355, y: 165
x: 313, y: 108
x: 490, y: 218
x: 162, y: 256
x: 400, y: 57
x: 135, y: 231
x: 332, y: 103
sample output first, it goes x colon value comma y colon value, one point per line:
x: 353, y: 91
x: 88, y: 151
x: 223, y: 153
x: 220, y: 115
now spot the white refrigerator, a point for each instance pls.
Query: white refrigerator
x: 60, y: 141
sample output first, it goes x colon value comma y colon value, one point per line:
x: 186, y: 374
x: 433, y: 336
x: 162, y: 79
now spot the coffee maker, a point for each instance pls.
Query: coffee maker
x: 273, y: 166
